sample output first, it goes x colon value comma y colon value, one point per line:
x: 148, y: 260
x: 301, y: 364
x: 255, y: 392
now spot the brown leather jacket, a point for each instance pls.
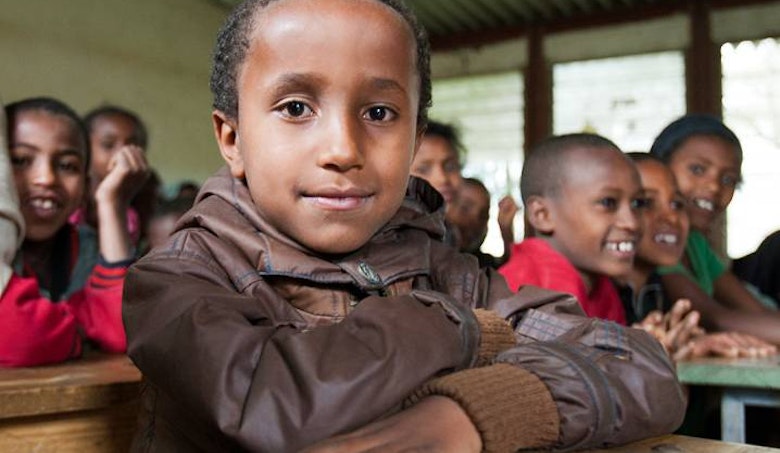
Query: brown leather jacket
x: 248, y: 342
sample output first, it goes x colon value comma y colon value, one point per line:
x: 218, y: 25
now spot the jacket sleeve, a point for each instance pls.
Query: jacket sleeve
x: 11, y: 221
x: 98, y: 306
x: 569, y: 382
x: 33, y: 330
x: 242, y: 363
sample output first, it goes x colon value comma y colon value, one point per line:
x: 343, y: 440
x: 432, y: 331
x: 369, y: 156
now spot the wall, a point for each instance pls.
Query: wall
x: 152, y: 56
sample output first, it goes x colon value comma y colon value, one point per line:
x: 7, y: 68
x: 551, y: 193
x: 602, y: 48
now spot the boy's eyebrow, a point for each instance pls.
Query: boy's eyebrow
x: 295, y: 81
x: 67, y: 151
x: 386, y: 84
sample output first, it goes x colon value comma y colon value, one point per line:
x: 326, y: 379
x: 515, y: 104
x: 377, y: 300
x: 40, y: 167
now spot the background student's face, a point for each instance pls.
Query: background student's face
x: 327, y: 119
x: 707, y: 169
x: 109, y: 133
x: 438, y: 163
x: 664, y: 217
x: 48, y: 160
x: 470, y: 213
x: 594, y: 216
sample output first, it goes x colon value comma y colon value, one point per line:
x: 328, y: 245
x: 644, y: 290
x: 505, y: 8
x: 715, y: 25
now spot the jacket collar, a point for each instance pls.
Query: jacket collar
x: 398, y: 250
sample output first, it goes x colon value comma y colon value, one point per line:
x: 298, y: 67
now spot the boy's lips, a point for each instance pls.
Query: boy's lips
x: 338, y: 199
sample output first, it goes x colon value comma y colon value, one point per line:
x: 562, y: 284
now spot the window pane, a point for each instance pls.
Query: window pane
x: 488, y: 110
x: 626, y: 99
x: 751, y: 107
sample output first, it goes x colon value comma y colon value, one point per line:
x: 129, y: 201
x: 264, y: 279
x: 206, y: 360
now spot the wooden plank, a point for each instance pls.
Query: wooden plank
x: 93, y: 382
x: 679, y: 444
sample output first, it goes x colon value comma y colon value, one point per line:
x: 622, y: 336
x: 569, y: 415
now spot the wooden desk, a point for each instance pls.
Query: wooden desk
x: 745, y: 382
x: 685, y: 444
x: 86, y: 405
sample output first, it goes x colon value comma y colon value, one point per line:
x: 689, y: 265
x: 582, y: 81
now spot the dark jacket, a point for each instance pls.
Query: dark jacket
x: 250, y: 342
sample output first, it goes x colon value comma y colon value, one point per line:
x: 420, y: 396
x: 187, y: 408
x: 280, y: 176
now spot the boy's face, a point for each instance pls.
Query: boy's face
x: 328, y: 98
x: 470, y: 214
x: 438, y: 163
x: 593, y: 218
x: 109, y: 134
x: 707, y: 169
x: 47, y: 156
x: 663, y: 216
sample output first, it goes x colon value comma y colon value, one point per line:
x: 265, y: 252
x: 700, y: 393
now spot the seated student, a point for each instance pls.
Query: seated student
x: 665, y: 230
x: 305, y: 296
x: 706, y: 159
x: 111, y: 129
x: 581, y: 195
x: 762, y: 267
x: 163, y: 222
x: 470, y: 213
x: 438, y: 161
x: 11, y: 221
x: 67, y: 282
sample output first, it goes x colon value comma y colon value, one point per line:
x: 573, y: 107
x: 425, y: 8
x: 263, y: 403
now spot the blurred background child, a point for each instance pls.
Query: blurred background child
x: 706, y: 159
x: 111, y: 129
x: 67, y: 281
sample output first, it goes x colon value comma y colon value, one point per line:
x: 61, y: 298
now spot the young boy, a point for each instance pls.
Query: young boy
x: 580, y: 194
x: 305, y: 297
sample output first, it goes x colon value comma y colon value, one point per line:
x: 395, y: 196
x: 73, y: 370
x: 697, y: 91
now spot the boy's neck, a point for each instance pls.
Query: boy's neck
x: 638, y: 276
x: 588, y: 278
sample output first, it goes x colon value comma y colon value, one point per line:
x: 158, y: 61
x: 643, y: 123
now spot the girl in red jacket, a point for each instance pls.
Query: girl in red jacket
x: 67, y: 281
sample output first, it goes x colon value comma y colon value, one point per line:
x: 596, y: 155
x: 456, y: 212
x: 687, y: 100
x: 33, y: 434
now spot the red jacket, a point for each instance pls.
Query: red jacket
x: 535, y: 262
x: 35, y: 330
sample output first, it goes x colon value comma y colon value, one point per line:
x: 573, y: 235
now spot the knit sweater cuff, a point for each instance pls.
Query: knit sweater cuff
x: 510, y: 407
x: 496, y: 335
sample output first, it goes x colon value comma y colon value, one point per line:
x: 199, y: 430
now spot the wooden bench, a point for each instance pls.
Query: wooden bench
x: 684, y: 444
x: 86, y: 405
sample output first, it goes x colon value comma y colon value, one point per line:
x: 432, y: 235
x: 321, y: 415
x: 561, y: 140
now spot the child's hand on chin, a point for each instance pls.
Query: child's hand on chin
x: 435, y: 424
x: 127, y: 171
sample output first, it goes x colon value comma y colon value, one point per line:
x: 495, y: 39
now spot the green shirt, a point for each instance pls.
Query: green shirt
x: 706, y: 266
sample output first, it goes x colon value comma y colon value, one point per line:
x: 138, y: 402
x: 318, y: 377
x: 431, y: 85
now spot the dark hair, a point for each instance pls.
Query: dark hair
x: 448, y: 132
x: 141, y: 135
x: 233, y: 43
x: 54, y: 107
x: 678, y: 131
x: 639, y: 156
x: 545, y: 167
x: 478, y: 184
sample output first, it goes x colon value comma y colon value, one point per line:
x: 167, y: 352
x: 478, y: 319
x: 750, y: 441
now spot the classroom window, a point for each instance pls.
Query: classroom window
x: 488, y: 110
x: 751, y: 107
x: 626, y: 99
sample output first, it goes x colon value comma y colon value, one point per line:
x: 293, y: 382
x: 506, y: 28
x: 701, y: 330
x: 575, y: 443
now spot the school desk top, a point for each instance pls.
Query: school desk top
x: 754, y: 373
x: 85, y: 405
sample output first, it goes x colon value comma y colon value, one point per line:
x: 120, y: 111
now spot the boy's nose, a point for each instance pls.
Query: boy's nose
x: 628, y: 219
x: 342, y: 147
x: 43, y: 173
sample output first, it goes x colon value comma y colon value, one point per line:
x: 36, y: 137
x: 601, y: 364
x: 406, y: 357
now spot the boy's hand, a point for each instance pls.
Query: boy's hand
x: 507, y: 209
x: 675, y: 329
x: 127, y: 171
x: 726, y: 344
x: 435, y: 424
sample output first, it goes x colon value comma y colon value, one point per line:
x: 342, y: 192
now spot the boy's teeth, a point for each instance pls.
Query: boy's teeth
x: 622, y: 246
x: 704, y: 204
x: 42, y: 203
x: 666, y: 238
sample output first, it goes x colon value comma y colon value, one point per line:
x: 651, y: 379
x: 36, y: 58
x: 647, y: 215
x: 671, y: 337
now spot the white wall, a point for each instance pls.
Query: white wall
x: 152, y: 56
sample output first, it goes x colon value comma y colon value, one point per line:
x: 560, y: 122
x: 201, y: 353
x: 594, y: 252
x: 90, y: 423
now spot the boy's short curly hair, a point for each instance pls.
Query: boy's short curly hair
x: 233, y: 43
x: 450, y: 133
x: 545, y: 168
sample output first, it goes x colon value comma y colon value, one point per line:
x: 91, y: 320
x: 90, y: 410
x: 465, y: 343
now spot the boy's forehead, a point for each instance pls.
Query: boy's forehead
x: 596, y: 166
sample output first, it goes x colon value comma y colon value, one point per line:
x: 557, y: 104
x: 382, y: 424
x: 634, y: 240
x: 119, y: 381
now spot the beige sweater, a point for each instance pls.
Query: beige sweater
x: 11, y: 222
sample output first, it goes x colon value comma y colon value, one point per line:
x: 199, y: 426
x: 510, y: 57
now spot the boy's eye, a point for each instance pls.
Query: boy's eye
x: 697, y: 169
x: 729, y: 180
x: 69, y: 166
x: 422, y: 170
x: 645, y: 203
x: 677, y: 205
x: 452, y: 166
x: 608, y: 202
x: 380, y: 113
x: 20, y: 161
x: 296, y: 109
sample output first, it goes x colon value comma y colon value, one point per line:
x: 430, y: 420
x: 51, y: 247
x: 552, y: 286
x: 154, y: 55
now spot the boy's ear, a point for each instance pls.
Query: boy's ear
x: 418, y: 140
x: 539, y: 215
x: 226, y: 132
